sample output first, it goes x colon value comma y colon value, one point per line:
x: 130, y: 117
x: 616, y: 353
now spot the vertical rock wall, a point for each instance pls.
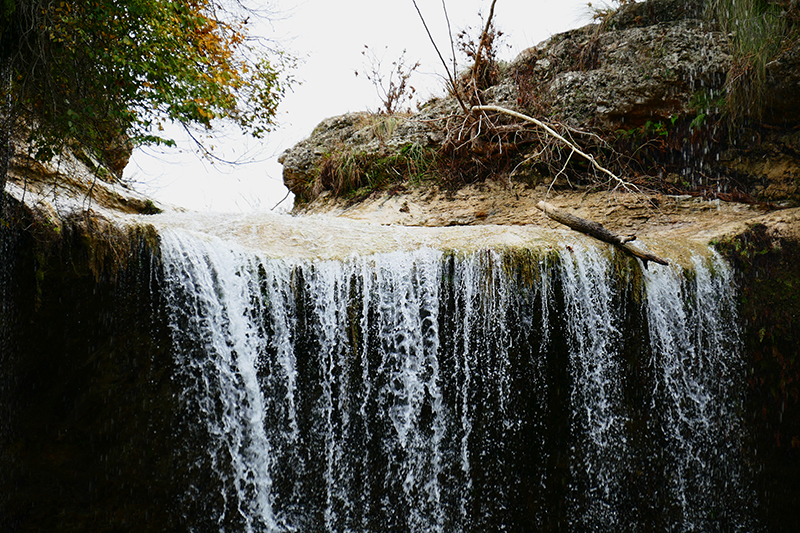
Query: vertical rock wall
x: 88, y: 417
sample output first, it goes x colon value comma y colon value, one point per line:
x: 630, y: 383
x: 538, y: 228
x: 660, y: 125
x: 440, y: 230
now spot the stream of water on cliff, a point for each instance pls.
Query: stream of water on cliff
x: 551, y: 389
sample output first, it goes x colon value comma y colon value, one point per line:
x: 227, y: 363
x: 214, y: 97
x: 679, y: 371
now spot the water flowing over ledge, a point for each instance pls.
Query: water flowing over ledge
x: 326, y: 237
x: 528, y: 381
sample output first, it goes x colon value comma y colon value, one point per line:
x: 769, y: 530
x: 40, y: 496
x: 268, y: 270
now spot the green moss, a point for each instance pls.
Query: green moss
x: 150, y: 208
x: 527, y: 265
x: 81, y: 245
x: 629, y: 273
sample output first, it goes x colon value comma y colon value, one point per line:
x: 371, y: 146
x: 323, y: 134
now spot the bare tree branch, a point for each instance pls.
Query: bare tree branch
x: 550, y: 131
x: 483, y: 43
x: 450, y: 75
x: 450, y: 35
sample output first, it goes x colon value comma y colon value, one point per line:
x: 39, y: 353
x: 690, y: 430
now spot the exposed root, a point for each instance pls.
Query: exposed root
x: 626, y: 185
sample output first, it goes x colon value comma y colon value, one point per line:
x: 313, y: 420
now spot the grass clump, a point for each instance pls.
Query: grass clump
x: 758, y: 30
x: 352, y: 172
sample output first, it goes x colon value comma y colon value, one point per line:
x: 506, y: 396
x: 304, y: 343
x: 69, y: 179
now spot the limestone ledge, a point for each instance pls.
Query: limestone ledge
x: 495, y: 203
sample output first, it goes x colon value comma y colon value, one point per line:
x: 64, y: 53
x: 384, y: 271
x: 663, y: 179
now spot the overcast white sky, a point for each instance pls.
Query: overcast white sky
x: 329, y: 37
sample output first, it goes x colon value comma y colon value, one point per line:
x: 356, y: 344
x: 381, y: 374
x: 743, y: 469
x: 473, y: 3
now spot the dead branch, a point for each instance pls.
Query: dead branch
x: 450, y: 36
x: 450, y: 75
x: 550, y: 131
x: 483, y: 43
x: 596, y: 230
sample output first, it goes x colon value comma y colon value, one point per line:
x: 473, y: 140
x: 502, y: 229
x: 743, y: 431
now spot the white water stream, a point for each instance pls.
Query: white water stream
x: 414, y: 389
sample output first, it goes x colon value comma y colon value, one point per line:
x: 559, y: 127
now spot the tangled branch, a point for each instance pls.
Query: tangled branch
x: 572, y: 146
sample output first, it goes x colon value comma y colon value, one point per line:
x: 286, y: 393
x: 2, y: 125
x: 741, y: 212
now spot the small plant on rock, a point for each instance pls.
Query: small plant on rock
x: 393, y: 88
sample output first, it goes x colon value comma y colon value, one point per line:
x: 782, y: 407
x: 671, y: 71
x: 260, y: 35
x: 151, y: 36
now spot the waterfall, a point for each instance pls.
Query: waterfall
x: 697, y: 392
x: 217, y: 343
x: 597, y: 415
x: 559, y: 389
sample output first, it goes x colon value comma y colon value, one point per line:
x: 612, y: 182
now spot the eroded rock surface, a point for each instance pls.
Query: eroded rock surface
x: 72, y: 182
x: 623, y: 78
x: 647, y: 215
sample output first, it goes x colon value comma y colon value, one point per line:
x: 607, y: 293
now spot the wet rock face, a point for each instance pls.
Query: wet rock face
x: 783, y: 77
x: 767, y: 272
x: 88, y: 428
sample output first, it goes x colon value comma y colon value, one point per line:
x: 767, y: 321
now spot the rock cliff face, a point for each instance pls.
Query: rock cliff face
x: 76, y: 337
x: 620, y: 78
x: 71, y: 182
x: 650, y: 80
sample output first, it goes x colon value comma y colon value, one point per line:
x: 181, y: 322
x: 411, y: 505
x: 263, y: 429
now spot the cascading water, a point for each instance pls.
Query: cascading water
x: 596, y: 411
x: 505, y: 390
x: 691, y: 323
x: 217, y: 346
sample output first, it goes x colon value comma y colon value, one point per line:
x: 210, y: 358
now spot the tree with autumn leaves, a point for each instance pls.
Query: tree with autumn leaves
x: 93, y: 72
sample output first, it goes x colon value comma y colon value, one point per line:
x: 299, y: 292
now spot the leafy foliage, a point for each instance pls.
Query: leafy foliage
x: 95, y: 71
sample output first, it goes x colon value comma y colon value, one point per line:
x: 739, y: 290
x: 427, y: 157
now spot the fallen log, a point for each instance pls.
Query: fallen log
x: 596, y: 230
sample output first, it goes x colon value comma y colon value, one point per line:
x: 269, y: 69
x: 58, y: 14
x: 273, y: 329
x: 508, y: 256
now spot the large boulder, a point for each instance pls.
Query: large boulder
x: 364, y: 133
x: 647, y: 61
